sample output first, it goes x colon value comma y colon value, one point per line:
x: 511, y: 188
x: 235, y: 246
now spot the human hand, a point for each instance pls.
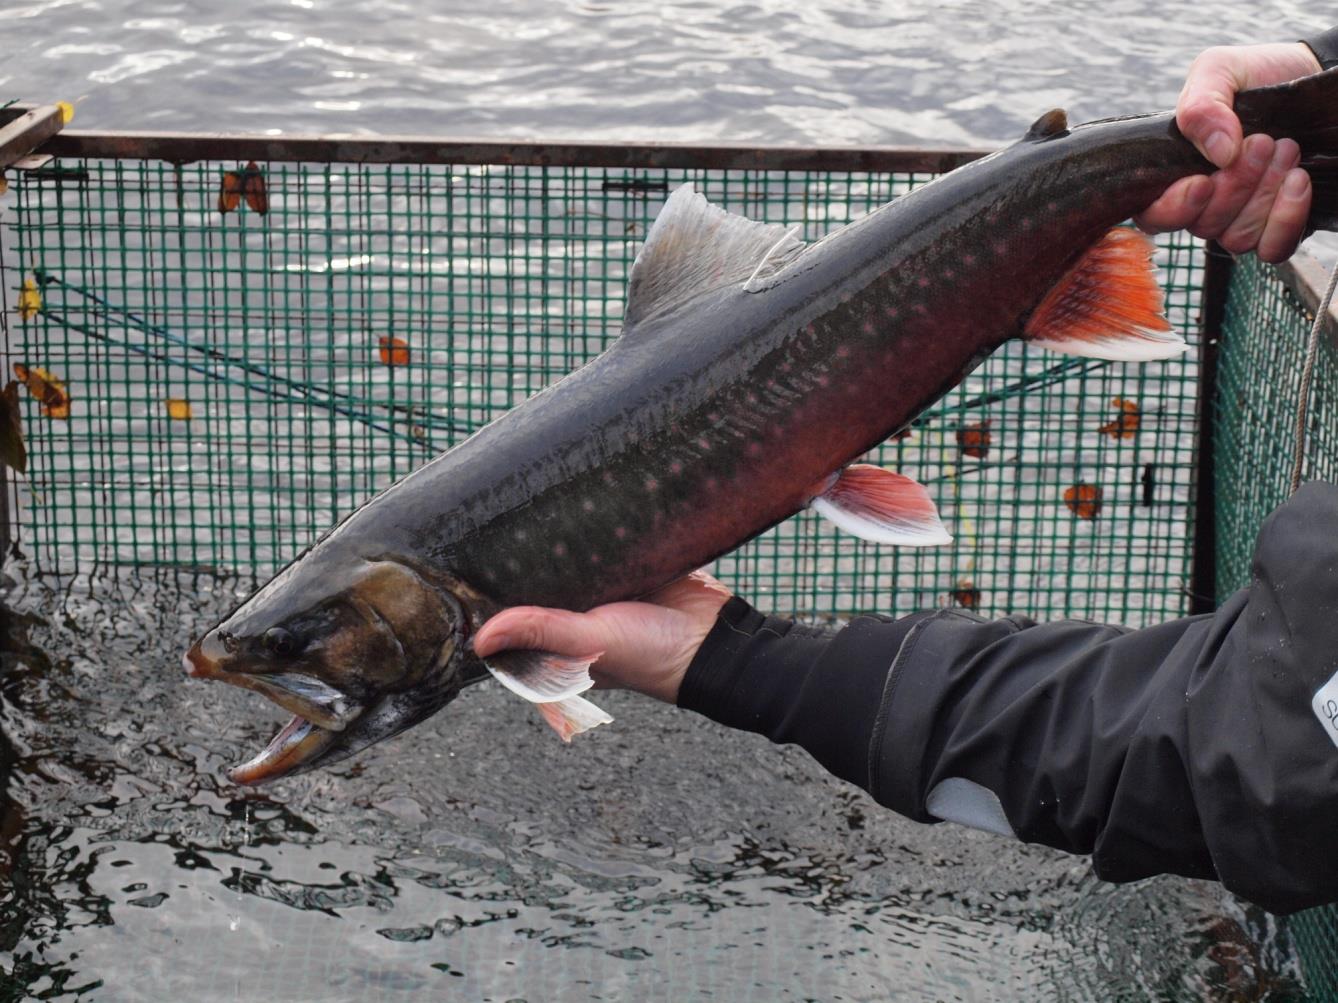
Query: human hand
x: 647, y: 645
x: 1259, y: 198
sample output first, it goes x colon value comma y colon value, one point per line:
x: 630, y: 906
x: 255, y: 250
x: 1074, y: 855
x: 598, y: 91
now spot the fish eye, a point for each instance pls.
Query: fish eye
x: 281, y: 642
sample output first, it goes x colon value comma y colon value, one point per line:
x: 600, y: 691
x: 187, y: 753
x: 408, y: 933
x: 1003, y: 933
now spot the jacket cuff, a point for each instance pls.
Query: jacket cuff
x: 1325, y: 48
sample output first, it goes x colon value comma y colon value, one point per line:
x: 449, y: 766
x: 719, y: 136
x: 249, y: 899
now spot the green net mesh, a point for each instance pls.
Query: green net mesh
x: 239, y: 381
x: 1263, y: 348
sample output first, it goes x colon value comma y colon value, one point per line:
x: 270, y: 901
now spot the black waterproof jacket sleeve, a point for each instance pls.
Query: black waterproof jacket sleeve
x: 1325, y: 48
x: 1206, y: 746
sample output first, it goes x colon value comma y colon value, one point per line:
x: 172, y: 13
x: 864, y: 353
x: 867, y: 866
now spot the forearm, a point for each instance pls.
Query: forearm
x: 1189, y: 748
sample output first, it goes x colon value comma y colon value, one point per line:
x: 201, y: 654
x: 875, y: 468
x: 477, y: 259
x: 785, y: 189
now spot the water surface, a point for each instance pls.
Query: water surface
x: 663, y: 857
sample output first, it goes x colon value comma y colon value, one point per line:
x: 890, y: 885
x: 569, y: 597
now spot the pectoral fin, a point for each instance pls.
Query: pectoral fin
x: 552, y: 682
x: 881, y: 506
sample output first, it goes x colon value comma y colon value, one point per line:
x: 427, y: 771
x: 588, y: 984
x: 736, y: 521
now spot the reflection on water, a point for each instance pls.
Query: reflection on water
x: 662, y: 858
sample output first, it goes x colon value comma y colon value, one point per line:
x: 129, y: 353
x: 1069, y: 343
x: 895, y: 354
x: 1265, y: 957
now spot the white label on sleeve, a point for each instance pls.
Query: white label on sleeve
x: 1325, y: 703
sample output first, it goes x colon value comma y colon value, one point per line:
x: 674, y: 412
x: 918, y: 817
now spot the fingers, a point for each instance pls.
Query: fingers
x: 1286, y: 220
x: 1179, y: 206
x: 545, y: 629
x: 1246, y: 227
x: 1234, y: 186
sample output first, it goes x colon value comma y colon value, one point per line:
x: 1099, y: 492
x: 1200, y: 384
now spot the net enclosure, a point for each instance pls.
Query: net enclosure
x: 244, y: 351
x: 225, y: 346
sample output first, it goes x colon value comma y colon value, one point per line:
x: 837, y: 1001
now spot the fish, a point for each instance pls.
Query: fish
x: 752, y: 374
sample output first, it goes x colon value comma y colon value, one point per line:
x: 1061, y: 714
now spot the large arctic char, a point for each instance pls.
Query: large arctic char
x: 752, y: 371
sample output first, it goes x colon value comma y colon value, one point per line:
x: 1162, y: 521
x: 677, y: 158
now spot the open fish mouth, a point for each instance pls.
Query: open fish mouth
x: 320, y: 715
x: 298, y: 745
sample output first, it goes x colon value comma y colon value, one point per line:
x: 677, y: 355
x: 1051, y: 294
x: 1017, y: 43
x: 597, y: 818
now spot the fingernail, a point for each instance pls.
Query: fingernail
x: 1199, y: 193
x: 1293, y: 186
x: 1259, y: 153
x: 1219, y: 148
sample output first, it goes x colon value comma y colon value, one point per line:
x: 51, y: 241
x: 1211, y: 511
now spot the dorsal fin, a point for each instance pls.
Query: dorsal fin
x: 694, y: 246
x: 1054, y: 122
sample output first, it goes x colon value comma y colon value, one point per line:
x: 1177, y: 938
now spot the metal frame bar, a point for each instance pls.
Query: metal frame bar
x: 1217, y: 268
x: 181, y: 148
x: 28, y: 130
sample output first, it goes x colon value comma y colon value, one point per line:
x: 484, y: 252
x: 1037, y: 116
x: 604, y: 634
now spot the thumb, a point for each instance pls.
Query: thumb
x: 1205, y: 112
x: 544, y: 629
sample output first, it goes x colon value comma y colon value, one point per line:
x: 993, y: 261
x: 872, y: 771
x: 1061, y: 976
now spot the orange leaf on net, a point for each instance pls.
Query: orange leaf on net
x: 394, y: 351
x: 1125, y: 425
x: 47, y: 388
x: 179, y: 409
x: 1083, y: 500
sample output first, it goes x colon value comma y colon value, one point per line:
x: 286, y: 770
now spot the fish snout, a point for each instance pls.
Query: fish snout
x: 204, y: 658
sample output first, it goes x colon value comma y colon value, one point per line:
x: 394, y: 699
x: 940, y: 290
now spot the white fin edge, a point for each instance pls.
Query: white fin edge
x: 787, y: 241
x: 542, y: 676
x: 1144, y: 347
x: 901, y: 533
x: 573, y: 716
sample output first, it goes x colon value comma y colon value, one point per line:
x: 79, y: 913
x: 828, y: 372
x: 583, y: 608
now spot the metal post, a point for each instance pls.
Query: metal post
x: 1217, y: 269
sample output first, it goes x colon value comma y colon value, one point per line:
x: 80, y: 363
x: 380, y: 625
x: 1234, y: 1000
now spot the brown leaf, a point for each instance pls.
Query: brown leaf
x: 1083, y: 500
x: 974, y: 440
x: 12, y: 452
x: 965, y: 595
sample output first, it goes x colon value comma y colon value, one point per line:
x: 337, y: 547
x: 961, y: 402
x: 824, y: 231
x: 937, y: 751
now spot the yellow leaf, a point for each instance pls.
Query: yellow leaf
x: 66, y: 112
x: 178, y: 409
x: 30, y: 300
x: 4, y: 184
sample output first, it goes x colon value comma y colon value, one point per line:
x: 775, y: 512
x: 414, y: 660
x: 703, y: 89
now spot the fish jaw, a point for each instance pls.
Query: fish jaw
x: 298, y: 747
x: 319, y: 716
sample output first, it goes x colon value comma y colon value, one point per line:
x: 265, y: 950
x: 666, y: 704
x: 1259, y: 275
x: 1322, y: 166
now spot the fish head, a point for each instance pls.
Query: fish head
x: 356, y: 650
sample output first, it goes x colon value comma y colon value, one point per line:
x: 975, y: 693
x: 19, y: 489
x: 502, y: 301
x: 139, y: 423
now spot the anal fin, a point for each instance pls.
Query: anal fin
x: 572, y: 716
x: 1108, y: 305
x: 881, y: 506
